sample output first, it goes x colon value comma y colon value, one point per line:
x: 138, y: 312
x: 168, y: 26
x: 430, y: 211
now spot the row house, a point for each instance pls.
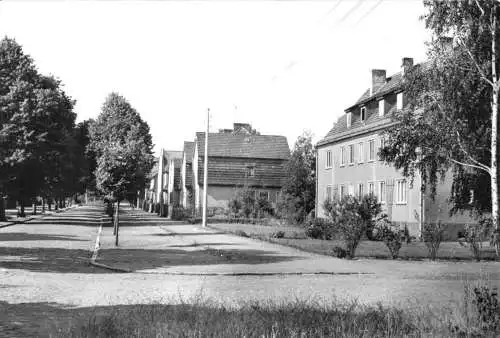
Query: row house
x: 164, y: 188
x: 348, y: 161
x: 237, y: 158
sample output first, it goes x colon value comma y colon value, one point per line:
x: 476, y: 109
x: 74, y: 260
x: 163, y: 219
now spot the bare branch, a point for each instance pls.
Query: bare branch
x: 480, y: 8
x: 469, y: 155
x: 471, y: 165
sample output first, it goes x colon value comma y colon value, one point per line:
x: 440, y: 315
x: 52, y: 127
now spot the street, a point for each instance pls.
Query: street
x: 46, y: 260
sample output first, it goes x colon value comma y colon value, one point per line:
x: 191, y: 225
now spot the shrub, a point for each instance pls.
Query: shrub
x: 392, y: 236
x: 241, y: 233
x: 352, y: 218
x: 339, y: 252
x: 488, y: 308
x: 473, y: 236
x: 432, y: 234
x: 320, y: 228
x: 278, y: 234
x: 235, y: 205
x: 370, y: 210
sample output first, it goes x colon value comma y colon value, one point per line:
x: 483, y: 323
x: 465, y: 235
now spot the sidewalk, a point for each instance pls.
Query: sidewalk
x: 12, y: 219
x: 172, y: 248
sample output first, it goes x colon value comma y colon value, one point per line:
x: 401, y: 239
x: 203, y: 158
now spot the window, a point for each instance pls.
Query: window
x: 348, y: 117
x: 401, y: 191
x: 264, y: 195
x: 351, y: 154
x: 250, y: 171
x: 360, y: 190
x: 361, y: 153
x: 371, y: 150
x: 382, y: 145
x: 342, y: 156
x: 342, y: 191
x: 371, y: 188
x: 350, y: 189
x: 328, y: 159
x: 381, y: 192
x: 381, y: 107
x: 328, y: 192
x: 363, y: 114
x: 399, y: 101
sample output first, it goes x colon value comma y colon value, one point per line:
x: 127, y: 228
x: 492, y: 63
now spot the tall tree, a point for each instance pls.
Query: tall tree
x: 299, y: 191
x: 123, y: 146
x: 450, y: 122
x: 36, y: 118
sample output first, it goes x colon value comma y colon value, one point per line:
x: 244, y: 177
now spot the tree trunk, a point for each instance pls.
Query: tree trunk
x: 56, y: 204
x: 21, y: 204
x: 494, y: 135
x: 34, y: 208
x: 43, y: 205
x: 2, y: 209
x: 117, y: 222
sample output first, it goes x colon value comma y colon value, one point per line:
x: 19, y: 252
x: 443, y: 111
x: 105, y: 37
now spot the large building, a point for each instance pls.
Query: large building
x: 237, y: 158
x: 348, y: 163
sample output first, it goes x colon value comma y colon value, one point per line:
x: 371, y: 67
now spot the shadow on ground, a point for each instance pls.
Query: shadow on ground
x: 48, y: 260
x: 137, y: 259
x: 77, y: 261
x: 23, y: 236
x: 170, y: 234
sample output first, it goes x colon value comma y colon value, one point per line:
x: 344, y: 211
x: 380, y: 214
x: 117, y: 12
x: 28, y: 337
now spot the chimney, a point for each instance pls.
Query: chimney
x: 378, y: 80
x: 406, y: 65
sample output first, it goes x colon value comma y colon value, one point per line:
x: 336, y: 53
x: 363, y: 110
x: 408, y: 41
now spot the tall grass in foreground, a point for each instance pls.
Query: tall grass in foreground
x: 477, y: 315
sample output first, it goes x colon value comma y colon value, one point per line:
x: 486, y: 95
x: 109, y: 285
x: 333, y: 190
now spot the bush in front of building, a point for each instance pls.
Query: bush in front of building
x: 432, y: 234
x: 392, y: 235
x: 353, y: 218
x: 320, y: 228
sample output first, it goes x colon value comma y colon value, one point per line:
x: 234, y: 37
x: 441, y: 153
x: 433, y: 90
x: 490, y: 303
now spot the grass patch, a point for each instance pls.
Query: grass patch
x: 201, y: 317
x: 268, y: 319
x: 295, y: 236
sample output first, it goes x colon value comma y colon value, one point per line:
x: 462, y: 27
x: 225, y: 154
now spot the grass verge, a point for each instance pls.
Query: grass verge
x: 201, y: 317
x: 295, y: 236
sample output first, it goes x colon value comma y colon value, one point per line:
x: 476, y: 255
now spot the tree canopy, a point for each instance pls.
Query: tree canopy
x: 446, y: 125
x: 122, y: 145
x: 36, y: 129
x: 299, y: 191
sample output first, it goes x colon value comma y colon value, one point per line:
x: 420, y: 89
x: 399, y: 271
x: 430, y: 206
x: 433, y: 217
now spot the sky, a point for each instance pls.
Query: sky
x: 283, y: 66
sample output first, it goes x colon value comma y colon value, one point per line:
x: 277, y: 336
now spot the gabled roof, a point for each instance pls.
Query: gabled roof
x: 189, y: 151
x: 339, y: 130
x: 172, y: 154
x: 244, y: 146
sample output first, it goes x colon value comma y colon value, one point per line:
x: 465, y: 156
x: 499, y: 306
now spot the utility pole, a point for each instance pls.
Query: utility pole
x: 205, y: 172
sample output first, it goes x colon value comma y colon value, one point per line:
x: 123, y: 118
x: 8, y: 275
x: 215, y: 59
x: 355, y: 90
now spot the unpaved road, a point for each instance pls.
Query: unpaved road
x: 46, y: 261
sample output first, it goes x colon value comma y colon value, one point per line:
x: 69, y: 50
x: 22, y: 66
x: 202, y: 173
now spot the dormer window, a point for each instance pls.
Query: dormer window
x: 399, y: 101
x: 363, y: 114
x: 348, y: 120
x: 381, y: 107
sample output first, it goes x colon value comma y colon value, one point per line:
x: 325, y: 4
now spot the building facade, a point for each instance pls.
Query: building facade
x: 237, y: 158
x: 348, y: 161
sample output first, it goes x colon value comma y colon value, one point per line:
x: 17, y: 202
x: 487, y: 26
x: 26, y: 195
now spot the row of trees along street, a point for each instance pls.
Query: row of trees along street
x: 42, y: 151
x: 450, y: 125
x: 45, y: 155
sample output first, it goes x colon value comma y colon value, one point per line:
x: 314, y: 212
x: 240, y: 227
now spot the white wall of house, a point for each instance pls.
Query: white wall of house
x: 365, y: 169
x: 196, y: 186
